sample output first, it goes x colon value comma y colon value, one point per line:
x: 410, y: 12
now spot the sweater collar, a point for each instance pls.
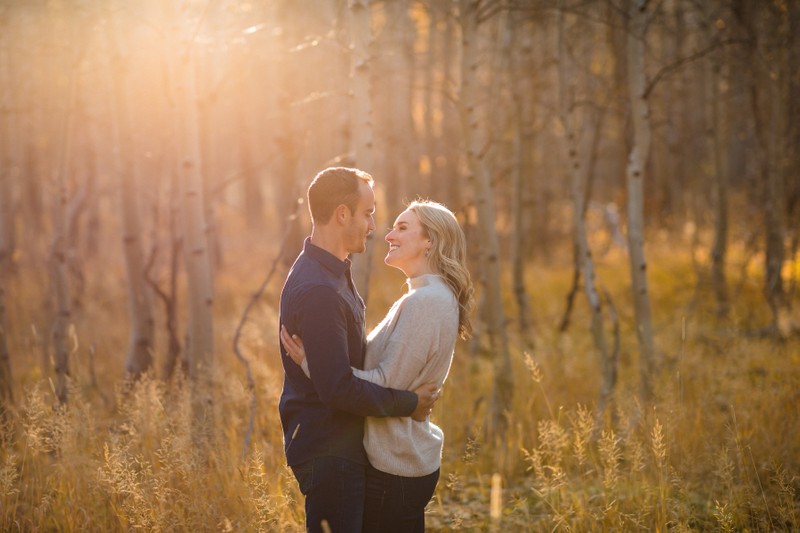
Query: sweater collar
x: 423, y: 280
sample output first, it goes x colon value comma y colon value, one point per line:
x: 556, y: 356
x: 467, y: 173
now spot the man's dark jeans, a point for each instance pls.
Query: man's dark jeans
x: 396, y: 504
x: 334, y: 491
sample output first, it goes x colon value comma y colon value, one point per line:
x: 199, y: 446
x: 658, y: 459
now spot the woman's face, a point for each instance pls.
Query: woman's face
x: 407, y: 245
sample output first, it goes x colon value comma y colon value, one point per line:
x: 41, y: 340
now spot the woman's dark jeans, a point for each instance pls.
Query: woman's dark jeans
x: 396, y: 504
x: 334, y: 491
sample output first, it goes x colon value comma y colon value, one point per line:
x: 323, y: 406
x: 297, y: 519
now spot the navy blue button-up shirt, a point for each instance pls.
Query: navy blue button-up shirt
x: 324, y: 415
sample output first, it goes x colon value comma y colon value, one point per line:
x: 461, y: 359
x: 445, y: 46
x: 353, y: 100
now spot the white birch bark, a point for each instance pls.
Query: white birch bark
x: 139, y: 356
x: 637, y: 162
x: 285, y: 161
x: 578, y: 164
x: 675, y: 107
x: 395, y: 100
x: 717, y: 135
x: 361, y: 118
x: 59, y: 275
x: 8, y: 167
x: 6, y: 231
x: 522, y: 91
x: 199, y: 347
x: 775, y: 198
x: 10, y: 159
x: 451, y: 148
x: 774, y: 206
x: 6, y: 382
x: 473, y: 125
x: 431, y: 67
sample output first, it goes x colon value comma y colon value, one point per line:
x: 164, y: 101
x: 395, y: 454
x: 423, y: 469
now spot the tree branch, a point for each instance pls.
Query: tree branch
x: 669, y: 69
x: 250, y: 382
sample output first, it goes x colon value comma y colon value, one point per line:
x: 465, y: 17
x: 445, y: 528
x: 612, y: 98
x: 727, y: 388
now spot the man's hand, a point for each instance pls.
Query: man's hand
x: 426, y: 396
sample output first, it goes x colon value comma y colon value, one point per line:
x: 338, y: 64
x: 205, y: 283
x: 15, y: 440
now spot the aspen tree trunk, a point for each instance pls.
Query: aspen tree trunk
x: 6, y: 215
x: 451, y: 151
x: 59, y: 275
x: 139, y: 357
x: 6, y: 379
x: 286, y: 188
x: 522, y: 92
x: 251, y: 182
x: 208, y: 151
x: 429, y: 80
x: 579, y: 174
x: 637, y: 161
x: 775, y: 197
x: 361, y: 113
x: 769, y: 79
x: 200, y: 292
x: 170, y: 298
x: 7, y: 175
x: 480, y: 176
x: 675, y: 107
x: 718, y: 135
x: 9, y: 169
x: 441, y: 116
x: 399, y: 161
x: 199, y: 346
x: 60, y: 286
x: 341, y: 68
x: 619, y: 148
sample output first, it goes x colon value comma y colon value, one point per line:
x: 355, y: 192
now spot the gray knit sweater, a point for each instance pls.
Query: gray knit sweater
x: 412, y: 345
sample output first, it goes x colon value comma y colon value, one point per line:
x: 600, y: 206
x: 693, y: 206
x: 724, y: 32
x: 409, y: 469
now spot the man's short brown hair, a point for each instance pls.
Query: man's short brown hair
x: 333, y: 187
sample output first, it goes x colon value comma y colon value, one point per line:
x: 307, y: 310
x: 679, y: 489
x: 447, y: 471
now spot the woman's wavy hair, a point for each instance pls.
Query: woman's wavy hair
x: 448, y: 255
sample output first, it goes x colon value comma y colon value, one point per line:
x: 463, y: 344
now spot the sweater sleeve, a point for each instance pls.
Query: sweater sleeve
x: 323, y: 328
x: 412, y: 340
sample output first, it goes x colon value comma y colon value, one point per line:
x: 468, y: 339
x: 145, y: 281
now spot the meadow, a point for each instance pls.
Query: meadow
x: 717, y: 450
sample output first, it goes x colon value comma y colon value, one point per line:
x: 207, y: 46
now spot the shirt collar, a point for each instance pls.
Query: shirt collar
x: 325, y: 258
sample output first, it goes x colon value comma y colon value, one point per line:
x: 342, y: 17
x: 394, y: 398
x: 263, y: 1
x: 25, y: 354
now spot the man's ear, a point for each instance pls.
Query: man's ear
x: 341, y: 213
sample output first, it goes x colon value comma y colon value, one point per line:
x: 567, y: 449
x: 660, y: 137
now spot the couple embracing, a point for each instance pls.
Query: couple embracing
x: 355, y: 409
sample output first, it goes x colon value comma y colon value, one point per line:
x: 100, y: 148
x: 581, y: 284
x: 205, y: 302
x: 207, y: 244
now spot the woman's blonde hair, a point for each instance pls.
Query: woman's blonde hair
x: 448, y: 255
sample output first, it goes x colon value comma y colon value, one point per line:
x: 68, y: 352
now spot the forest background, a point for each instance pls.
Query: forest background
x: 626, y: 172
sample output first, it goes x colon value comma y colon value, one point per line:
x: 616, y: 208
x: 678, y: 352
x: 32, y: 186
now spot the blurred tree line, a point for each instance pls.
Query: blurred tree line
x: 141, y: 123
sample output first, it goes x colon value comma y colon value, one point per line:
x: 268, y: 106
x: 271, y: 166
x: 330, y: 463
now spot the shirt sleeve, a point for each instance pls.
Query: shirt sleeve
x: 413, y: 338
x: 323, y: 327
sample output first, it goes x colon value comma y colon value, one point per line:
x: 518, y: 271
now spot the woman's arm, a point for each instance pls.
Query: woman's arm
x: 396, y: 360
x: 295, y: 349
x: 413, y: 337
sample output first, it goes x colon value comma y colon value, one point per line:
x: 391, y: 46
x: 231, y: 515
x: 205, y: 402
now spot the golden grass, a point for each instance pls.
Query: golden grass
x: 717, y: 451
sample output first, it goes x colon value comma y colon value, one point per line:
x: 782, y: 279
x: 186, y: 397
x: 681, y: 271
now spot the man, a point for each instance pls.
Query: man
x: 323, y: 417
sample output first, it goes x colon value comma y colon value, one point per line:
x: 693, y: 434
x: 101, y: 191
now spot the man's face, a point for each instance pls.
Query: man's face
x: 362, y: 221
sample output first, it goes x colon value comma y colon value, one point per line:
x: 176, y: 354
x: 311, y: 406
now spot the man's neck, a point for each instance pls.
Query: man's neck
x: 329, y: 241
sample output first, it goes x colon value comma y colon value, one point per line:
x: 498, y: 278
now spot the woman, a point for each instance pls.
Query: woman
x: 412, y: 345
